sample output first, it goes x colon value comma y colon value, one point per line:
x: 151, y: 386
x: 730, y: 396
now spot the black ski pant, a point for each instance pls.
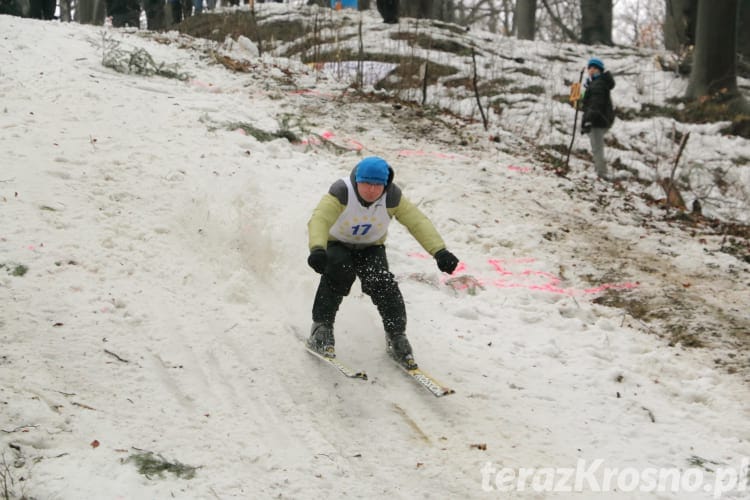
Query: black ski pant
x: 370, y: 265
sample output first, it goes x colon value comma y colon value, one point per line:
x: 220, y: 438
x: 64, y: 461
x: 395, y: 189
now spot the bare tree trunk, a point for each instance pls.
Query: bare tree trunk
x: 470, y: 14
x: 187, y: 8
x: 446, y: 11
x: 509, y: 22
x: 526, y: 19
x: 596, y: 22
x: 155, y: 14
x: 492, y: 19
x: 90, y: 12
x: 9, y: 8
x: 42, y: 9
x: 65, y: 11
x: 715, y: 59
x: 679, y: 23
x: 743, y: 30
x: 420, y: 9
x: 124, y: 12
x: 388, y: 10
x: 443, y: 10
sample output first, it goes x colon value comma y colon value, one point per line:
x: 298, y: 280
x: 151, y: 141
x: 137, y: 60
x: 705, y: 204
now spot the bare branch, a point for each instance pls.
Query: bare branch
x: 556, y: 19
x: 476, y: 88
x: 118, y: 358
x: 669, y: 188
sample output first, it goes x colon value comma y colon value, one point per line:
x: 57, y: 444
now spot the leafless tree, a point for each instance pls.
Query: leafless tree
x: 679, y: 23
x: 495, y: 16
x: 559, y: 21
x: 596, y: 22
x: 155, y: 14
x: 66, y: 11
x: 743, y: 31
x: 640, y: 24
x: 90, y: 12
x: 714, y: 71
x: 443, y: 10
x: 525, y: 19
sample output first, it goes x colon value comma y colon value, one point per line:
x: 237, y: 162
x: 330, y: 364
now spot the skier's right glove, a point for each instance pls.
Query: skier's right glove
x: 317, y: 260
x: 585, y: 128
x: 446, y: 261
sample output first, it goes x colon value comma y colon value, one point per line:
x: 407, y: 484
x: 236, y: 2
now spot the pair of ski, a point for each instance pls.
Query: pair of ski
x: 423, y: 379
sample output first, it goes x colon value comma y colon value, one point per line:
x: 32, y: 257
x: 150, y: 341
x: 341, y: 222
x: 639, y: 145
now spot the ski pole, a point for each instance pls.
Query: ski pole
x: 575, y: 94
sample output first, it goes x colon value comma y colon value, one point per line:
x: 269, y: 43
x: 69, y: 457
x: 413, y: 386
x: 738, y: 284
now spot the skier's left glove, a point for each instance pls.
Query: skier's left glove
x: 317, y: 260
x: 446, y: 261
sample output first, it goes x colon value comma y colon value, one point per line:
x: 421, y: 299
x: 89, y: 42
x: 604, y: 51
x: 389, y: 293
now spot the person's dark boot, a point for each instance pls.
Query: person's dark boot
x: 397, y: 345
x: 321, y: 340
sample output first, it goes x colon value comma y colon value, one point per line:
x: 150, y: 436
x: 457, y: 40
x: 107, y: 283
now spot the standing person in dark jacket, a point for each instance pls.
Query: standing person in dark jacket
x: 598, y: 113
x: 347, y: 234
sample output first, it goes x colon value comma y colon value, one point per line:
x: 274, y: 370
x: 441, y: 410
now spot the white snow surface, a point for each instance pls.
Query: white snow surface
x: 167, y: 285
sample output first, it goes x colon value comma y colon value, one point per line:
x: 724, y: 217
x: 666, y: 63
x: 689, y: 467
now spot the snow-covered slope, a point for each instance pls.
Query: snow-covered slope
x: 167, y: 282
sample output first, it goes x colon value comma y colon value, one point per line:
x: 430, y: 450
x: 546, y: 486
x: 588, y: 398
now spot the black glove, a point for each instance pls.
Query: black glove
x: 446, y: 261
x: 317, y: 260
x: 585, y: 128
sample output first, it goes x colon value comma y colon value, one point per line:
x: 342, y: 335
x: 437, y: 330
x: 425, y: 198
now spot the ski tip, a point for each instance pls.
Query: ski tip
x: 353, y: 374
x: 433, y: 386
x: 442, y: 391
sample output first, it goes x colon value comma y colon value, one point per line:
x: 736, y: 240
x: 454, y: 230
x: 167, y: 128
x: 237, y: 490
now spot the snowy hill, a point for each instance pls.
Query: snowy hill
x: 154, y: 281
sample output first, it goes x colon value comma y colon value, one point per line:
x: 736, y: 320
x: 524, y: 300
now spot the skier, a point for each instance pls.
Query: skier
x: 347, y: 232
x: 598, y: 113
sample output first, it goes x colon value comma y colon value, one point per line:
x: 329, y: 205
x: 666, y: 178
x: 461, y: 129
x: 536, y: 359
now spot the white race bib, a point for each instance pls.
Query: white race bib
x: 359, y: 224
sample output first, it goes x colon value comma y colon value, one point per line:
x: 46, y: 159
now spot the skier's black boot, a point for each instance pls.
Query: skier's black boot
x: 321, y: 339
x: 399, y: 348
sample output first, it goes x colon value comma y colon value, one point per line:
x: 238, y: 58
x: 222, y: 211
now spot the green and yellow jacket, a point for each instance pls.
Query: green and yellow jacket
x: 333, y: 204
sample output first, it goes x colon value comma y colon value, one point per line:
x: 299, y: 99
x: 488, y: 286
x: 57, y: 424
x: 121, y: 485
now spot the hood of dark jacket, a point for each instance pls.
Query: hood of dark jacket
x: 608, y: 79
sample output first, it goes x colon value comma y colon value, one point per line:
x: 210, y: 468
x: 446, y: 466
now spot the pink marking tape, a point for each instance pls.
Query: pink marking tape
x: 528, y: 278
x: 523, y: 170
x: 329, y: 136
x: 312, y: 92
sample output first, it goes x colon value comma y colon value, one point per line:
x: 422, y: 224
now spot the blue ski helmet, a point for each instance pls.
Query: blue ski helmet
x: 596, y: 62
x: 372, y: 170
